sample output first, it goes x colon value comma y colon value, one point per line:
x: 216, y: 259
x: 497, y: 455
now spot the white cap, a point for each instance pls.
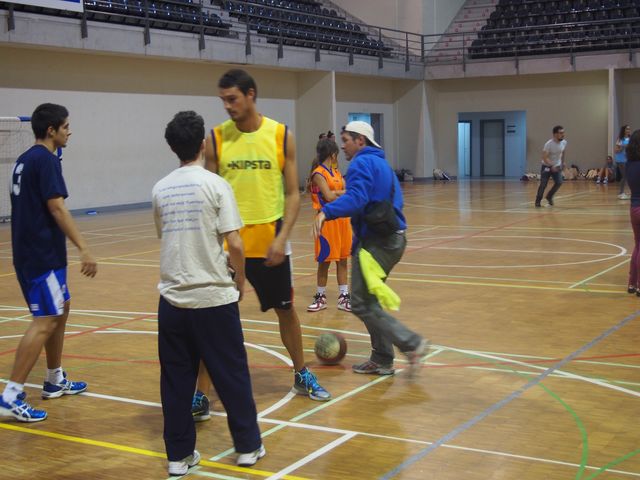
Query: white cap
x: 363, y: 128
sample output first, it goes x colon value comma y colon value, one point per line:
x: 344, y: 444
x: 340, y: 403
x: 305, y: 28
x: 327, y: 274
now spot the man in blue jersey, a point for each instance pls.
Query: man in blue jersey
x: 370, y: 179
x: 40, y: 223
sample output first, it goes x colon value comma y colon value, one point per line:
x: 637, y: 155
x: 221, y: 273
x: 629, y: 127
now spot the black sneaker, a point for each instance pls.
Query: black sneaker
x: 538, y: 205
x: 200, y: 407
x: 631, y: 289
x: 550, y: 200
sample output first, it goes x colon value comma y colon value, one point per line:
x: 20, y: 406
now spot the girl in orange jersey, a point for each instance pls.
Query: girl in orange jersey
x: 334, y: 244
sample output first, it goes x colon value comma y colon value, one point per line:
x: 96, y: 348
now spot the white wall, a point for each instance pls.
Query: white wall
x: 119, y: 108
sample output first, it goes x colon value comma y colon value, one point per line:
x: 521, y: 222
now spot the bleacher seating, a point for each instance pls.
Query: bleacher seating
x: 178, y: 15
x: 544, y: 27
x: 302, y: 23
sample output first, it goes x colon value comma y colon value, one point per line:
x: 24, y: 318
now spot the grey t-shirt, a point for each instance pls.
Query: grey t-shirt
x: 193, y: 208
x: 555, y: 149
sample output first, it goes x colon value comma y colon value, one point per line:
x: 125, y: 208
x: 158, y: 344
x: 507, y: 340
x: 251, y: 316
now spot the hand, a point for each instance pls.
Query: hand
x: 555, y: 169
x: 89, y: 266
x: 316, y: 228
x: 275, y: 254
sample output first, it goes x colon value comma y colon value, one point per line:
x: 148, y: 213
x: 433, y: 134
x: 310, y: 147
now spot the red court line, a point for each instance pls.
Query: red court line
x: 97, y: 329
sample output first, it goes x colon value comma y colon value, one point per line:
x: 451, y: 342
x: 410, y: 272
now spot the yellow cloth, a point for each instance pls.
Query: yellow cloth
x: 374, y: 277
x: 252, y: 163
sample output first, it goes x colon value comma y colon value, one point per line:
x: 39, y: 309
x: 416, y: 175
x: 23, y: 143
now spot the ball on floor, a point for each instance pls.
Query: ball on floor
x: 330, y: 348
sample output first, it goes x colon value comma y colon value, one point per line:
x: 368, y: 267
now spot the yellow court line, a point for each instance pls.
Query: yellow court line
x: 483, y: 284
x: 138, y: 451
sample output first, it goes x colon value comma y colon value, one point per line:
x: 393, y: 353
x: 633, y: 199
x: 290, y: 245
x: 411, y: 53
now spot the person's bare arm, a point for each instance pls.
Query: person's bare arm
x: 320, y: 182
x: 276, y: 253
x: 210, y: 155
x: 63, y: 218
x: 236, y: 259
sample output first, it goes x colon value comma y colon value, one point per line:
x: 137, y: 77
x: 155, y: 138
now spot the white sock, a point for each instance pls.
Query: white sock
x: 54, y: 375
x: 11, y: 391
x: 322, y: 290
x: 344, y: 289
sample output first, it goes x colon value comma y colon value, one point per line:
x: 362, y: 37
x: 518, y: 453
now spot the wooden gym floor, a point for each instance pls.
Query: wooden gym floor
x: 534, y: 374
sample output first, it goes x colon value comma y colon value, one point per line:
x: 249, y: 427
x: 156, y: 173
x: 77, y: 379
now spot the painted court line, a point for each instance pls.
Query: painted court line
x: 312, y: 456
x: 135, y: 450
x: 624, y: 262
x: 498, y: 405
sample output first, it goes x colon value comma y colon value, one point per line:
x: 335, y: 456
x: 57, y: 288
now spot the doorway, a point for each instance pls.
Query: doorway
x: 492, y: 148
x: 464, y: 148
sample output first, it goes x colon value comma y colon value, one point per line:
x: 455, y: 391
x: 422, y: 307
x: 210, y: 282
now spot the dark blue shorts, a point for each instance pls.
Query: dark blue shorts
x: 45, y: 294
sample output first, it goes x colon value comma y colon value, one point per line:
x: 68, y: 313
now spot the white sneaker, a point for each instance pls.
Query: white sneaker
x: 248, y: 459
x: 319, y: 303
x: 181, y: 467
x: 623, y: 196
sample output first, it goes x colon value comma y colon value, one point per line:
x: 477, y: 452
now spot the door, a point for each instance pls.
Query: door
x: 492, y: 148
x: 464, y: 148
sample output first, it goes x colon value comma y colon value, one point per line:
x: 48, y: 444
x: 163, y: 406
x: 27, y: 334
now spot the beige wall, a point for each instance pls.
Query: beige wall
x: 629, y: 94
x: 578, y: 101
x: 315, y: 111
x: 415, y: 16
x: 119, y: 107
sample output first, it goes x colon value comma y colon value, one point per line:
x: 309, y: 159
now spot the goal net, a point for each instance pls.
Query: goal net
x: 16, y: 137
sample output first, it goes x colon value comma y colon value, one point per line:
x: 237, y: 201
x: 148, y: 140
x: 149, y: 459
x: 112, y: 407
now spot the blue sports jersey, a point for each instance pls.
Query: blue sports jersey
x: 38, y: 242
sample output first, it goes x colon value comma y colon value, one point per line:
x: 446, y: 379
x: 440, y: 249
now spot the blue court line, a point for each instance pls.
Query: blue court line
x: 497, y: 406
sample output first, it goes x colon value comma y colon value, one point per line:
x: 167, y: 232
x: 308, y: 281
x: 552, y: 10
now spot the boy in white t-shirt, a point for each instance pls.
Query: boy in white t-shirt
x: 552, y: 165
x: 198, y: 318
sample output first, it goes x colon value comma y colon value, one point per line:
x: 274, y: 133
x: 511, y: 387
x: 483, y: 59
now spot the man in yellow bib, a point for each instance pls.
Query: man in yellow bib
x: 254, y: 153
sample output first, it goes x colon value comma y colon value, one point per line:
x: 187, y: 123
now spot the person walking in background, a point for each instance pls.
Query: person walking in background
x: 552, y: 165
x: 334, y: 243
x: 633, y: 177
x: 620, y: 151
x: 371, y: 180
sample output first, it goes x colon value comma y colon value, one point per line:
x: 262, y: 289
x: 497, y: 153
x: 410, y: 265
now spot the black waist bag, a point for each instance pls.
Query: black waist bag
x: 380, y: 217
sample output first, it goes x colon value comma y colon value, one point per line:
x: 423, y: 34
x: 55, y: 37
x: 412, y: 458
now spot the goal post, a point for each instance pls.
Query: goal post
x: 16, y: 137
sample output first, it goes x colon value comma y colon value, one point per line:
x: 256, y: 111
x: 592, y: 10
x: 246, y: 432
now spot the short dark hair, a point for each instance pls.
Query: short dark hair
x: 184, y: 134
x: 633, y: 149
x: 238, y: 78
x: 356, y: 136
x: 45, y: 116
x: 557, y: 128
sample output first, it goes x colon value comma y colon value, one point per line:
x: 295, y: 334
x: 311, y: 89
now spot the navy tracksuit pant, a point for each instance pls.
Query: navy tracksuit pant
x: 214, y: 335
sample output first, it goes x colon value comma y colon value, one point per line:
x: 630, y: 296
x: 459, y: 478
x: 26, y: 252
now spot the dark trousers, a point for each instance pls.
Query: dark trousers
x: 214, y: 334
x: 545, y: 173
x: 634, y: 268
x: 385, y: 330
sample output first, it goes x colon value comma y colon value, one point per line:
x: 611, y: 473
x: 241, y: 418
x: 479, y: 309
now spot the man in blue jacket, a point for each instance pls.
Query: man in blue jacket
x: 370, y: 179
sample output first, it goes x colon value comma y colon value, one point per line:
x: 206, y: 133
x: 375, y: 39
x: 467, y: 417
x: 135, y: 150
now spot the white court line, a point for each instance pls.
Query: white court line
x: 536, y: 367
x: 312, y: 456
x: 529, y: 252
x: 201, y: 473
x: 598, y: 274
x: 345, y: 432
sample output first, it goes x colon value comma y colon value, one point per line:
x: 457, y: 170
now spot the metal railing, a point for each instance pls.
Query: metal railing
x: 281, y: 23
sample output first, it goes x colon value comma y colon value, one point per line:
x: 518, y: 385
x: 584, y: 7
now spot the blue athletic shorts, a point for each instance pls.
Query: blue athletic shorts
x: 46, y: 294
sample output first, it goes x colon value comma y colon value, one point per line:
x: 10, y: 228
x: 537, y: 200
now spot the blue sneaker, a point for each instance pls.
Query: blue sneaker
x: 306, y: 383
x: 200, y: 407
x: 21, y: 410
x: 66, y: 387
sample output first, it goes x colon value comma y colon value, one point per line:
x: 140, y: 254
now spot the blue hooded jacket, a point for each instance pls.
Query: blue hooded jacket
x: 368, y: 180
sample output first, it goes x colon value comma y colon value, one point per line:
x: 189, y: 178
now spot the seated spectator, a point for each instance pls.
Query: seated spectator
x: 607, y: 172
